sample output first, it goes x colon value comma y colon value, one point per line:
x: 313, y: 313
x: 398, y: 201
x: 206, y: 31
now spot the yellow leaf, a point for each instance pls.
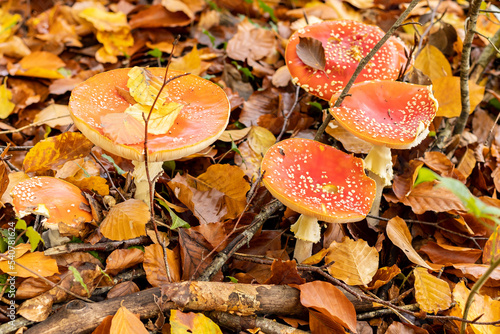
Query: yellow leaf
x: 230, y: 181
x: 400, y: 235
x: 126, y: 322
x: 432, y: 293
x: 432, y: 62
x: 234, y: 135
x: 355, y: 261
x: 114, y: 44
x: 7, y: 24
x: 126, y: 220
x: 190, y: 63
x: 6, y: 105
x: 447, y: 92
x: 103, y: 20
x: 260, y: 140
x: 92, y: 183
x: 40, y: 64
x: 154, y: 265
x: 192, y: 323
x: 37, y: 261
x: 483, y: 307
x: 161, y: 120
x: 54, y: 115
x: 54, y: 152
x: 144, y: 86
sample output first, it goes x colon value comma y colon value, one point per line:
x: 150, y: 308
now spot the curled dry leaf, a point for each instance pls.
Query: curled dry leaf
x: 400, y: 235
x: 311, y: 52
x: 432, y: 294
x: 355, y: 261
x: 383, y: 276
x: 36, y: 309
x: 330, y: 302
x: 126, y: 220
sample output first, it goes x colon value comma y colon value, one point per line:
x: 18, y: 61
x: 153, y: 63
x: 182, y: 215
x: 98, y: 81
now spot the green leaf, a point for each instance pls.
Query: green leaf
x: 246, y: 72
x: 3, y: 245
x: 210, y: 36
x: 267, y: 9
x: 64, y: 71
x: 21, y: 224
x: 232, y: 279
x: 316, y: 105
x: 177, y: 222
x: 34, y: 238
x: 155, y: 53
x: 110, y: 159
x: 79, y: 279
x: 425, y: 175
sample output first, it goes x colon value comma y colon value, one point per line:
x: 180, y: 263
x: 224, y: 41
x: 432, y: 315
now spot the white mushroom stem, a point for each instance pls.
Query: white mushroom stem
x: 141, y: 178
x: 379, y: 164
x: 308, y: 232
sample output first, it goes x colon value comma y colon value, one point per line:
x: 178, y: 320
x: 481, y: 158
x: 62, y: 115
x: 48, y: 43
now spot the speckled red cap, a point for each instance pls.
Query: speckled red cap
x: 318, y: 180
x: 389, y: 113
x: 345, y: 42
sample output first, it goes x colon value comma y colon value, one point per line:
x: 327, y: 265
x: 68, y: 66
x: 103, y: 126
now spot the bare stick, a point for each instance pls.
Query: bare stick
x: 286, y: 117
x: 465, y: 67
x: 363, y: 63
x: 109, y: 176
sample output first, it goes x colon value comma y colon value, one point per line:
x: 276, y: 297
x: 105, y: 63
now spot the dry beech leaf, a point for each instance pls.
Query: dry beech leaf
x: 260, y: 140
x: 447, y: 92
x: 330, y: 302
x: 234, y: 135
x: 383, y: 276
x: 475, y: 271
x: 35, y: 286
x: 284, y: 272
x: 492, y: 247
x: 439, y: 163
x: 444, y: 254
x: 36, y: 309
x: 311, y: 52
x: 192, y: 323
x: 402, y: 184
x: 251, y: 42
x: 154, y: 265
x: 126, y: 322
x: 122, y: 128
x: 4, y: 178
x: 425, y: 197
x: 433, y: 63
x: 281, y: 77
x: 121, y: 259
x: 54, y: 115
x: 39, y: 64
x: 467, y: 163
x: 104, y: 327
x: 483, y: 306
x: 54, y: 152
x: 400, y: 235
x: 123, y: 289
x: 355, y: 261
x: 432, y: 293
x: 350, y: 142
x: 93, y: 183
x: 38, y: 262
x: 126, y: 220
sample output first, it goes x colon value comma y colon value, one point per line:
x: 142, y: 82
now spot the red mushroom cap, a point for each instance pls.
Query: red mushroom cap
x: 58, y: 200
x: 318, y: 180
x: 201, y: 121
x: 389, y: 113
x: 346, y: 43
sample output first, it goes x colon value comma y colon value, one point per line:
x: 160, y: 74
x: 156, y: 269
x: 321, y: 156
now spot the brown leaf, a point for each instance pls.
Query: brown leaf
x: 194, y: 249
x: 329, y: 301
x: 105, y: 326
x: 432, y: 294
x: 126, y: 220
x: 402, y: 184
x: 34, y: 286
x: 154, y: 265
x: 475, y: 271
x: 467, y: 163
x: 284, y: 272
x: 425, y: 197
x: 123, y: 289
x: 311, y: 52
x: 439, y: 163
x: 4, y: 178
x: 121, y: 259
x: 355, y: 261
x: 400, y: 235
x: 383, y: 276
x: 444, y: 254
x: 54, y: 152
x: 36, y: 309
x: 251, y: 42
x: 492, y: 245
x: 126, y: 322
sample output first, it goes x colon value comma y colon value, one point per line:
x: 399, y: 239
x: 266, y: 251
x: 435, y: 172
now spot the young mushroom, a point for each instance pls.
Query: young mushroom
x: 387, y: 114
x: 56, y: 200
x: 319, y: 182
x: 102, y: 111
x: 345, y: 43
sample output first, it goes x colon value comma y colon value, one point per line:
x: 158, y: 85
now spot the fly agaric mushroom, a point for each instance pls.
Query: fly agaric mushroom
x: 319, y: 182
x: 203, y: 118
x: 387, y: 114
x: 345, y: 43
x: 56, y: 200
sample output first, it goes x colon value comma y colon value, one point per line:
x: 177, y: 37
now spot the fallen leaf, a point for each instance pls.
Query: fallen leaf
x: 6, y: 105
x: 355, y: 261
x: 432, y: 294
x: 251, y: 42
x: 39, y: 64
x: 36, y: 309
x: 126, y: 322
x: 41, y: 264
x: 54, y: 115
x: 192, y: 323
x: 445, y: 254
x: 383, y: 276
x: 154, y: 265
x: 311, y: 52
x: 122, y: 289
x: 284, y: 272
x: 433, y: 63
x: 126, y: 220
x: 400, y: 235
x: 475, y: 271
x: 121, y: 259
x: 447, y: 92
x: 329, y: 301
x: 123, y: 128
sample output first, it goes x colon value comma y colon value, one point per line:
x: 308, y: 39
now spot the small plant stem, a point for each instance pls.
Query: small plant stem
x: 487, y: 55
x: 475, y: 289
x: 109, y: 176
x: 286, y: 117
x: 428, y: 29
x: 363, y: 63
x: 465, y: 67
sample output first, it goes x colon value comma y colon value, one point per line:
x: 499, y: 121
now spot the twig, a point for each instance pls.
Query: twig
x: 286, y: 117
x: 31, y: 125
x: 487, y: 55
x: 428, y: 29
x: 240, y: 240
x: 101, y: 246
x: 54, y: 285
x: 488, y: 39
x: 16, y: 148
x: 465, y: 67
x: 109, y: 176
x: 363, y: 63
x: 385, y: 311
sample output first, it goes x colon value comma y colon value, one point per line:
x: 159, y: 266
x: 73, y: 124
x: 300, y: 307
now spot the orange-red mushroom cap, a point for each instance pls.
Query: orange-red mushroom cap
x: 318, y: 180
x: 389, y: 113
x: 201, y: 121
x: 345, y: 42
x: 58, y: 200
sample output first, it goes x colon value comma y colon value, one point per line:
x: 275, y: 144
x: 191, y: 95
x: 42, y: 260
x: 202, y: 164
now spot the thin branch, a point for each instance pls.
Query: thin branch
x: 363, y: 63
x: 428, y: 29
x: 286, y: 117
x: 465, y: 67
x: 488, y: 39
x: 109, y: 176
x: 31, y: 125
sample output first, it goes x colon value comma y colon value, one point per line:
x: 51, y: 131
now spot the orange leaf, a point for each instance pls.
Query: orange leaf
x: 355, y: 261
x: 432, y: 293
x: 126, y: 322
x: 54, y: 152
x: 383, y: 276
x: 330, y: 302
x: 154, y: 265
x: 40, y: 64
x: 122, y: 128
x: 121, y: 259
x: 126, y: 220
x: 444, y: 254
x: 38, y: 262
x: 425, y: 197
x: 284, y: 272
